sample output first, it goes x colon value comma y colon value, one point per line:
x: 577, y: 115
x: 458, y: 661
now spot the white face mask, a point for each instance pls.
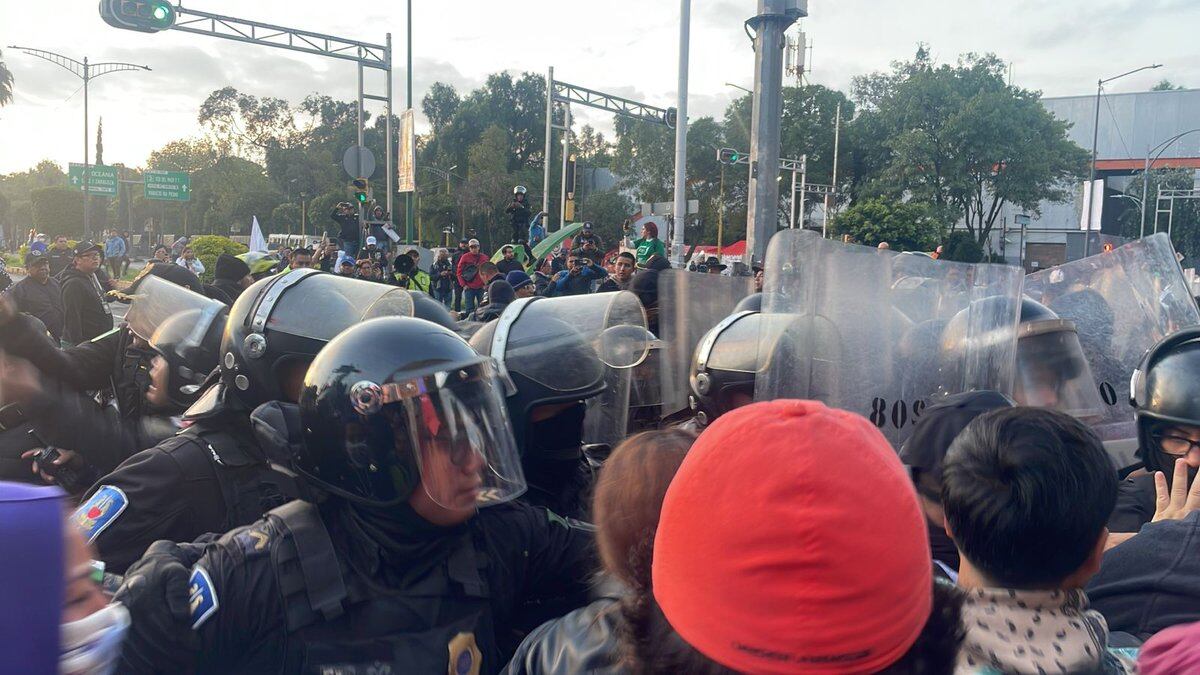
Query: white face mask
x: 91, y: 645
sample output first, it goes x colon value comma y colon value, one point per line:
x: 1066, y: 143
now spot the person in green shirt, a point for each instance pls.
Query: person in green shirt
x: 649, y: 244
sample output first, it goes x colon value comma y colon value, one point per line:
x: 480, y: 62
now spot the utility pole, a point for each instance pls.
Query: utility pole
x: 680, y: 210
x: 774, y: 17
x: 566, y: 145
x: 549, y: 148
x: 408, y: 200
x: 829, y: 199
x: 87, y: 72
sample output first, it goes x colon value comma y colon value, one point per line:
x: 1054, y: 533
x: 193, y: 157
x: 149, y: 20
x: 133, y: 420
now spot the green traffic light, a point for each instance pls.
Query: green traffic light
x: 160, y: 12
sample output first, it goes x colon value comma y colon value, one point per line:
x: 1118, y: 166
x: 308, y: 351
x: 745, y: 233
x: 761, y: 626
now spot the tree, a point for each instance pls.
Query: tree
x: 1185, y: 222
x: 906, y: 226
x: 58, y: 210
x: 1166, y: 85
x: 961, y: 140
x: 607, y: 211
x: 6, y: 83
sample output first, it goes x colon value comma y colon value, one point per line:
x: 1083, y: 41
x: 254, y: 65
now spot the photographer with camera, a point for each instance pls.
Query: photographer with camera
x: 346, y: 216
x: 577, y: 279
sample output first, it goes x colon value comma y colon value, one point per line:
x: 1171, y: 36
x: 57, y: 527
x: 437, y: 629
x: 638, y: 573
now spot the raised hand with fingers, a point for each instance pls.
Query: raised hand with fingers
x: 1181, y: 499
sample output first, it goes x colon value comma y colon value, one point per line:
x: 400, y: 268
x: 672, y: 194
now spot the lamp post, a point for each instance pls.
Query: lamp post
x: 1157, y: 151
x: 1087, y: 240
x: 86, y: 72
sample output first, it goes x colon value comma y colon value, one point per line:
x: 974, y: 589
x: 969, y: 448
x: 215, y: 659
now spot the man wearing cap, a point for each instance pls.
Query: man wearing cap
x: 586, y: 237
x: 521, y: 283
x: 372, y: 252
x: 39, y: 294
x: 455, y: 256
x: 85, y: 313
x: 346, y: 217
x: 470, y: 276
x: 61, y: 256
x: 231, y: 276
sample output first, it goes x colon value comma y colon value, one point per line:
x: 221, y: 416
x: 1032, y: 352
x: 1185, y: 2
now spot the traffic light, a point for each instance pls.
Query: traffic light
x: 361, y: 190
x: 1108, y: 247
x: 146, y: 16
x: 729, y: 156
x: 672, y: 118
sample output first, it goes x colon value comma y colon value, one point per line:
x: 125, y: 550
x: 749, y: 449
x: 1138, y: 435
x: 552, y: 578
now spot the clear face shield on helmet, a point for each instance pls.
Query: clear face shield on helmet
x: 577, y: 344
x: 156, y: 300
x: 1052, y: 371
x: 328, y: 305
x: 454, y: 428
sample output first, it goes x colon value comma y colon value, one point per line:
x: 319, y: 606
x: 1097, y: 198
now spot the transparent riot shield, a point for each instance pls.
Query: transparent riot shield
x: 864, y: 330
x: 1122, y: 302
x: 575, y: 345
x: 689, y: 305
x: 156, y: 300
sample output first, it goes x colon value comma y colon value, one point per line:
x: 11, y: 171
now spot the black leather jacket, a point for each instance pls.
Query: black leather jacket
x: 583, y: 641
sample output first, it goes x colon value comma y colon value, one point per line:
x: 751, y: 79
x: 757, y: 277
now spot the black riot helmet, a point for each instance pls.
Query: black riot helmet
x: 724, y: 366
x: 750, y: 303
x: 280, y: 323
x: 190, y: 343
x: 425, y: 307
x: 395, y: 403
x: 562, y: 350
x: 1165, y: 392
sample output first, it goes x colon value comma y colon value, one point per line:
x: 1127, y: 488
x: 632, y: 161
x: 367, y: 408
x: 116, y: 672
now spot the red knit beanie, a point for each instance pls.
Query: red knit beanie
x: 791, y: 541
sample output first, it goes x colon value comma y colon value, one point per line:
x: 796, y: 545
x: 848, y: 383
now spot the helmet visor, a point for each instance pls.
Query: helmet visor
x: 456, y: 427
x: 1052, y: 373
x: 157, y: 300
x: 329, y: 304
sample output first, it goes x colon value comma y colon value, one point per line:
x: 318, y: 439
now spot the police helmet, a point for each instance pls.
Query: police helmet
x: 280, y: 323
x: 190, y: 343
x: 519, y: 190
x: 425, y: 307
x: 750, y: 303
x: 724, y: 366
x: 395, y: 403
x: 1165, y: 391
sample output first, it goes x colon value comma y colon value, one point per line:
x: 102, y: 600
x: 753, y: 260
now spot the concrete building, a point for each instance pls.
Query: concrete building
x: 1132, y: 127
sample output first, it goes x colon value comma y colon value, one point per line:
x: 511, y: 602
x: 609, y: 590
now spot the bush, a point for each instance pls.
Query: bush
x: 906, y: 226
x: 208, y: 247
x: 961, y: 247
x: 58, y: 210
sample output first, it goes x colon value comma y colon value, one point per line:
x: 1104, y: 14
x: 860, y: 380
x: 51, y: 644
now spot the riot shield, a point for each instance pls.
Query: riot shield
x: 157, y: 300
x: 690, y: 305
x: 552, y: 340
x: 1122, y: 302
x: 863, y: 329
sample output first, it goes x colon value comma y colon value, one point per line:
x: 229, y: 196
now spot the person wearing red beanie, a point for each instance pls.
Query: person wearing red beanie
x: 791, y: 541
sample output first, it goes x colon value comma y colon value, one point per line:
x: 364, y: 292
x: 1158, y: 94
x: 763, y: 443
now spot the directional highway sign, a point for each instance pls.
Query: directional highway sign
x: 169, y: 186
x: 102, y: 180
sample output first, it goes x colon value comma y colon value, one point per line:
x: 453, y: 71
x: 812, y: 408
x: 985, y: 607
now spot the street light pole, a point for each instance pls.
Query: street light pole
x: 408, y: 200
x: 1091, y: 189
x: 87, y: 72
x: 1157, y: 151
x: 681, y: 122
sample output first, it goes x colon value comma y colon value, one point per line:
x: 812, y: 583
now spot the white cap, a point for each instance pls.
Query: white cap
x: 473, y: 242
x: 372, y: 241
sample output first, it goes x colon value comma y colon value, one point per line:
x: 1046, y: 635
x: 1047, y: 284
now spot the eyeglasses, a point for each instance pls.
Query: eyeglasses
x: 94, y: 255
x: 1176, y: 446
x: 572, y: 261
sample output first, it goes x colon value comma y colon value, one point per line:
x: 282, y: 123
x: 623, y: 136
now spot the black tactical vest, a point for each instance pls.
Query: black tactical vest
x: 339, y: 622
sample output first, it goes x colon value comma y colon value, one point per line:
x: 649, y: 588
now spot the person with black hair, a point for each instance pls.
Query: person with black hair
x: 86, y: 314
x: 1027, y: 493
x: 924, y: 452
x: 518, y: 213
x: 622, y: 276
x: 231, y: 276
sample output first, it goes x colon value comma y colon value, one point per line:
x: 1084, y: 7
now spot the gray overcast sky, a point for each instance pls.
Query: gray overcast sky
x: 626, y: 47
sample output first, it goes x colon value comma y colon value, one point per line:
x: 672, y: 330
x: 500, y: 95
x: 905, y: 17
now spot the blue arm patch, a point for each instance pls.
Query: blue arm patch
x: 202, y: 597
x: 97, y: 513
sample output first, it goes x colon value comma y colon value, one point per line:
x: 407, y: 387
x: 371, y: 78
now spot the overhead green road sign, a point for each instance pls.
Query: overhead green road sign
x: 169, y: 186
x: 102, y: 180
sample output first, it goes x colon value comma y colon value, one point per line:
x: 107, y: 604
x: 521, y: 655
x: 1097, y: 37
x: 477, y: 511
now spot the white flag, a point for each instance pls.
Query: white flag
x: 258, y: 243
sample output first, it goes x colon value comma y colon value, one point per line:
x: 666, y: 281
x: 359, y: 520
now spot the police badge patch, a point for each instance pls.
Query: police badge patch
x: 100, y: 511
x: 202, y: 596
x: 465, y: 657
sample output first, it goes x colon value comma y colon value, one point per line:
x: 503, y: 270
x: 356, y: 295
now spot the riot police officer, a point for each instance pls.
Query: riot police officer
x: 557, y: 383
x: 416, y: 559
x: 724, y: 367
x: 230, y: 465
x: 1165, y: 393
x: 115, y: 366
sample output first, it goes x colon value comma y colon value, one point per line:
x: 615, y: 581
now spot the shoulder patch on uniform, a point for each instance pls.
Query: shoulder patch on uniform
x: 253, y: 541
x: 202, y: 596
x: 97, y: 513
x: 465, y: 657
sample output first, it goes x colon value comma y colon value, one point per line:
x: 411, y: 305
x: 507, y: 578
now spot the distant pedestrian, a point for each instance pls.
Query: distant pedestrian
x: 509, y: 262
x: 188, y: 260
x: 470, y: 277
x: 114, y: 253
x: 883, y: 246
x: 39, y: 294
x: 85, y: 314
x: 518, y: 211
x: 649, y: 245
x: 61, y: 256
x: 441, y: 276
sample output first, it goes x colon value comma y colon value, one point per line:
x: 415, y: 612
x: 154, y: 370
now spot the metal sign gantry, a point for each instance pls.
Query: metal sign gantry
x: 1169, y: 197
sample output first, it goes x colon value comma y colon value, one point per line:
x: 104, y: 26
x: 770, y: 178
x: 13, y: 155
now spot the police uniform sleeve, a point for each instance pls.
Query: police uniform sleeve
x: 69, y: 420
x: 234, y: 620
x: 1135, y: 504
x: 147, y: 498
x: 87, y: 366
x: 560, y: 554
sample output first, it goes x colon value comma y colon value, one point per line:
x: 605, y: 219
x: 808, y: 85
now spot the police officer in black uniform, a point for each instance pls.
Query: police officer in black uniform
x: 400, y: 568
x: 113, y: 369
x: 230, y: 466
x: 723, y: 368
x: 1165, y: 394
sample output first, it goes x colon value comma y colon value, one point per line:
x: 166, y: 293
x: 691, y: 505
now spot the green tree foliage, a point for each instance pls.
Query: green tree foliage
x: 208, y: 247
x: 58, y: 210
x: 6, y: 83
x: 607, y: 211
x: 961, y: 247
x: 906, y: 226
x: 1185, y: 224
x: 962, y: 140
x: 1166, y: 85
